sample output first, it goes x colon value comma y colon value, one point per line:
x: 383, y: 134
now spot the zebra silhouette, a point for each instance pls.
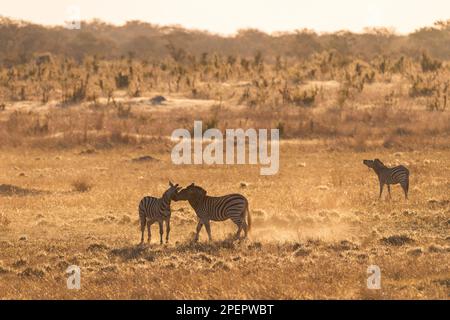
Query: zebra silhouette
x: 153, y: 210
x: 388, y: 176
x: 232, y: 206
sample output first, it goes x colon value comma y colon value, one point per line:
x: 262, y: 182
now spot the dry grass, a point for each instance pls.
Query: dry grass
x: 82, y: 185
x: 72, y: 173
x: 350, y: 99
x: 317, y: 223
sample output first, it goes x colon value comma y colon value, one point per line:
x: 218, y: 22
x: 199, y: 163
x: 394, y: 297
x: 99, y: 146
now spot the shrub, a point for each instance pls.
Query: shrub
x: 81, y: 185
x: 428, y: 64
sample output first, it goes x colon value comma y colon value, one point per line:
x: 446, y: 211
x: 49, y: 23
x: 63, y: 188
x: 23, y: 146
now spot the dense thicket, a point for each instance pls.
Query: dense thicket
x: 20, y: 41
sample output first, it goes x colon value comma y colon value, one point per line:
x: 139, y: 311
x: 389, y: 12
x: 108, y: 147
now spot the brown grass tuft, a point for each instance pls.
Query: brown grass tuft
x: 82, y: 185
x: 397, y: 240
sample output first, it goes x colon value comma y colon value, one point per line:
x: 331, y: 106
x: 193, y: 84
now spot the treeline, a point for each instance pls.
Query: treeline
x: 21, y: 41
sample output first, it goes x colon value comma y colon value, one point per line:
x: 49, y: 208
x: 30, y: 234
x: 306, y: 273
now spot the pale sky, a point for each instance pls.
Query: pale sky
x: 227, y: 16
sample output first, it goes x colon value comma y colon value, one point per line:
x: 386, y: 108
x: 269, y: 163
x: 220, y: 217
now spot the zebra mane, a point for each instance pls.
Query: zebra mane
x: 166, y: 196
x: 198, y: 188
x: 378, y: 161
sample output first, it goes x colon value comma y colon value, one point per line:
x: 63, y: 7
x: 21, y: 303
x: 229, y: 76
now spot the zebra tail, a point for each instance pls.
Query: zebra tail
x: 249, y: 219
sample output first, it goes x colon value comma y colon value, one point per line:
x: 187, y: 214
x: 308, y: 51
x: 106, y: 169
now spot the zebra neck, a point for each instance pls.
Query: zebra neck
x: 165, y: 202
x: 195, y: 203
x: 379, y: 170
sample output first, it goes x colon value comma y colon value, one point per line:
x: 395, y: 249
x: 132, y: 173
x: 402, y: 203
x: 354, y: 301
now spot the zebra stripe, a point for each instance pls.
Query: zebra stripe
x: 232, y: 206
x: 388, y: 176
x: 153, y: 210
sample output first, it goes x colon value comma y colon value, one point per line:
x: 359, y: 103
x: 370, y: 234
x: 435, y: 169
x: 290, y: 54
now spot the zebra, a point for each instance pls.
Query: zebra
x: 231, y: 206
x: 395, y: 175
x: 153, y: 209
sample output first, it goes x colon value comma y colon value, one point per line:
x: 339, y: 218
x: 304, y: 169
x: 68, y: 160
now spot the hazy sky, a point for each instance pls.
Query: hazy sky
x: 227, y: 16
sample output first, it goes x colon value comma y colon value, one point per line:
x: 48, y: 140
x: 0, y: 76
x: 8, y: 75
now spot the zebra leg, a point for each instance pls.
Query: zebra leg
x: 142, y: 229
x: 199, y: 227
x: 208, y: 229
x: 167, y: 230
x: 245, y: 227
x: 161, y: 231
x: 405, y: 187
x: 240, y: 225
x: 389, y: 190
x: 149, y: 236
x: 246, y: 221
x: 381, y: 189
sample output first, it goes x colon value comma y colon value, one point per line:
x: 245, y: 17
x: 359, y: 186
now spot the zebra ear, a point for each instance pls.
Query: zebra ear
x: 379, y: 161
x: 170, y: 183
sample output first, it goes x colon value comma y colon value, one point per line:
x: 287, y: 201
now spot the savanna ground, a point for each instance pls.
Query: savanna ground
x: 73, y: 135
x: 317, y: 227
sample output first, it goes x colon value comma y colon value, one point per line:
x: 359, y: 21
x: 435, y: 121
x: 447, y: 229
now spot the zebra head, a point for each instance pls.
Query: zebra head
x: 172, y: 191
x: 190, y: 193
x: 368, y: 163
x: 374, y: 163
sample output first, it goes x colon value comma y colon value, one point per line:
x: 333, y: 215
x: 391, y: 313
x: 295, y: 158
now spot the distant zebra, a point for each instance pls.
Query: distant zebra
x: 395, y: 175
x: 153, y: 210
x: 232, y: 206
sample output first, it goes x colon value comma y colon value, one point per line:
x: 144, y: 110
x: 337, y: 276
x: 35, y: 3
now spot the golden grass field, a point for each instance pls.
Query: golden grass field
x: 69, y: 188
x: 317, y: 226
